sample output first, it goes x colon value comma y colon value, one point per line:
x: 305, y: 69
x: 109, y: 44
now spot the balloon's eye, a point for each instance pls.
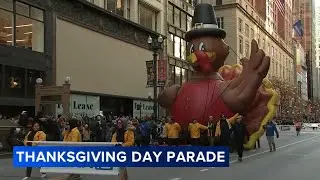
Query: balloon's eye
x: 191, y: 49
x: 201, y: 47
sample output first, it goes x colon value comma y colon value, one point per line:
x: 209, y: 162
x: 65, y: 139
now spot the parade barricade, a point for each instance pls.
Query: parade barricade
x: 106, y: 171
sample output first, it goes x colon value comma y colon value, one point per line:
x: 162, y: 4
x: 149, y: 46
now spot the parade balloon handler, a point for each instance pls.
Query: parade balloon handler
x: 35, y: 134
x: 173, y: 130
x: 126, y: 137
x: 72, y: 134
x: 216, y: 88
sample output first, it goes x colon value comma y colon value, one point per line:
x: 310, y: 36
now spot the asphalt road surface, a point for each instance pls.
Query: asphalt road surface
x: 296, y: 158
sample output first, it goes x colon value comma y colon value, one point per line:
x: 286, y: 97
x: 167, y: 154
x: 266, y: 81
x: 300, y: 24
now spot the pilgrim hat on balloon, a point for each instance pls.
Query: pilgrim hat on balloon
x: 204, y: 23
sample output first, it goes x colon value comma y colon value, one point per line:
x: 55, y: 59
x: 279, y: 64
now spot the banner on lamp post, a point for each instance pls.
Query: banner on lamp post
x: 162, y: 71
x: 150, y: 73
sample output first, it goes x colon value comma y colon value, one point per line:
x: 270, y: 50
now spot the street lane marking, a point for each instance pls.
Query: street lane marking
x: 175, y: 179
x: 281, y: 147
x: 204, y: 170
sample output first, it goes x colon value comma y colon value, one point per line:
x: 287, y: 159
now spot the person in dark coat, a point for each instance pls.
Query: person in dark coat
x: 239, y: 131
x: 223, y: 132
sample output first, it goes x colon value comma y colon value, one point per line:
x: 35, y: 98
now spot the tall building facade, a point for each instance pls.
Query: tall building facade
x: 179, y: 19
x: 264, y: 21
x: 100, y: 44
x: 304, y: 10
x: 317, y: 46
x: 300, y: 58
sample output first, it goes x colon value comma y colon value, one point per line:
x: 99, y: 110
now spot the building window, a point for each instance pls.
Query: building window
x: 246, y: 30
x: 247, y: 49
x: 218, y: 2
x: 272, y: 51
x: 179, y: 18
x: 171, y: 73
x: 179, y: 49
x: 14, y: 81
x: 184, y: 75
x: 268, y: 48
x: 263, y: 44
x: 170, y: 47
x: 28, y: 30
x: 178, y: 78
x: 178, y: 75
x: 220, y: 22
x: 189, y: 23
x: 147, y: 17
x: 176, y: 17
x: 128, y: 9
x: 240, y: 45
x: 240, y: 25
x: 115, y: 6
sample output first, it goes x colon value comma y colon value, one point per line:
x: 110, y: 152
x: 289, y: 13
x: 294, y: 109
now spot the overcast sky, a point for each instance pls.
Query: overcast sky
x: 317, y: 3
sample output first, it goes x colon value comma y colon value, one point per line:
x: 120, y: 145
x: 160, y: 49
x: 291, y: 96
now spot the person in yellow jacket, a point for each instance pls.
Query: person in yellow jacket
x: 173, y: 130
x: 126, y: 138
x: 35, y: 134
x: 194, y: 130
x: 72, y: 134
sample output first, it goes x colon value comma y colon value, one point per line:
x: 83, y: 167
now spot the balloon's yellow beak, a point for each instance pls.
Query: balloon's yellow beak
x: 192, y: 58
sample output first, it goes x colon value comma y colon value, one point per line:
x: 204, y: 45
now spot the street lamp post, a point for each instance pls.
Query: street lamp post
x: 156, y: 46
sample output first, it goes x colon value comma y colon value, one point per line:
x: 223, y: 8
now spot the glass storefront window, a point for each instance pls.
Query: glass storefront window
x: 178, y: 75
x: 177, y: 47
x: 14, y: 81
x: 6, y: 22
x: 29, y: 33
x: 29, y: 27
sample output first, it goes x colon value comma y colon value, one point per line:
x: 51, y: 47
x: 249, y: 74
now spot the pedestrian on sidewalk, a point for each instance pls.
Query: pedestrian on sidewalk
x: 240, y: 132
x: 271, y: 128
x: 35, y: 134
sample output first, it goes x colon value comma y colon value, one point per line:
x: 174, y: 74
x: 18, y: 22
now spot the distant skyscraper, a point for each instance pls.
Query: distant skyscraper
x: 304, y: 10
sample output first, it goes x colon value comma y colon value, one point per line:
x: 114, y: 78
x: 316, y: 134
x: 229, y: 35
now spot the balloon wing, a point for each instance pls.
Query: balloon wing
x: 261, y: 111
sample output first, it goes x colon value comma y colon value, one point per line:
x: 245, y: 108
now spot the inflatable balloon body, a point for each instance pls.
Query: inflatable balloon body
x: 217, y: 89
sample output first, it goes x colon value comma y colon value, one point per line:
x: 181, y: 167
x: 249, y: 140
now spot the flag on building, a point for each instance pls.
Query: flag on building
x: 298, y: 28
x: 281, y: 7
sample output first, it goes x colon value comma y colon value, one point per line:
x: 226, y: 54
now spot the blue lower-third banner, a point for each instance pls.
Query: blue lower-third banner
x: 118, y: 156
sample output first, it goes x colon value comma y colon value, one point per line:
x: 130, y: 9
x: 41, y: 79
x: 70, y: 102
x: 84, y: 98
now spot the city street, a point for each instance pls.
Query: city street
x: 296, y: 158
